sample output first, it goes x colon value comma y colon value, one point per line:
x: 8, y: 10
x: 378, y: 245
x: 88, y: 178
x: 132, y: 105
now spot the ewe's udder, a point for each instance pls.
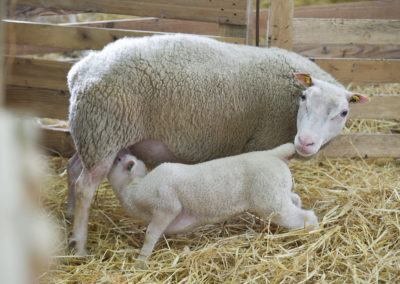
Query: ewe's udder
x: 154, y: 152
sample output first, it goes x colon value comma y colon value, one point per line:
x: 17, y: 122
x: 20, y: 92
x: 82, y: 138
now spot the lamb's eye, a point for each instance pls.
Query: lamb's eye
x: 344, y: 113
x: 303, y: 98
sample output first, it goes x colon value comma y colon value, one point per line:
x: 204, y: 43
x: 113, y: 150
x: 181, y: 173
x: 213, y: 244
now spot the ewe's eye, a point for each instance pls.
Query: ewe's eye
x: 344, y: 113
x: 303, y: 98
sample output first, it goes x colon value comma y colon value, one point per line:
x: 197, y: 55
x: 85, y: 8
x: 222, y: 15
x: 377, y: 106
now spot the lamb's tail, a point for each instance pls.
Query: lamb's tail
x: 284, y: 151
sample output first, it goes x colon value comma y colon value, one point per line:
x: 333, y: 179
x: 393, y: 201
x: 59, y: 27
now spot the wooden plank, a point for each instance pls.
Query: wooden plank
x: 232, y: 31
x: 54, y: 104
x: 74, y: 37
x: 345, y: 31
x: 380, y: 107
x: 348, y: 50
x: 62, y: 36
x: 363, y: 145
x: 386, y: 9
x: 38, y: 73
x: 50, y: 74
x: 15, y: 49
x: 221, y: 11
x: 154, y: 24
x: 57, y: 141
x: 38, y: 102
x: 361, y: 71
x: 280, y: 25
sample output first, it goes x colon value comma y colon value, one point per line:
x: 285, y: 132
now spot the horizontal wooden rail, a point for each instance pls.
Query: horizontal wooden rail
x: 221, y: 11
x: 361, y: 71
x: 47, y: 74
x: 154, y: 24
x: 325, y: 32
x: 380, y: 107
x: 363, y: 145
x: 75, y: 37
x: 348, y: 50
x: 56, y: 141
x: 54, y: 104
x: 384, y: 9
x: 38, y: 102
x: 346, y: 31
x: 59, y: 141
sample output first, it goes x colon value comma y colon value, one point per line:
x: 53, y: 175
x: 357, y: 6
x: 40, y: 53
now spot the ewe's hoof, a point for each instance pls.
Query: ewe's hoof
x: 72, y: 246
x: 69, y: 217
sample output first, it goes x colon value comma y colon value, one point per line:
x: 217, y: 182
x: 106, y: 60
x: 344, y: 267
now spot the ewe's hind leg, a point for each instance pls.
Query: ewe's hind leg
x: 86, y: 186
x: 74, y: 169
x: 292, y: 217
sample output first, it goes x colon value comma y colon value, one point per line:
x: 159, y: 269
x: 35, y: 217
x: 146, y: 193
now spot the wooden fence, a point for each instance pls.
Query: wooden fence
x: 356, y: 42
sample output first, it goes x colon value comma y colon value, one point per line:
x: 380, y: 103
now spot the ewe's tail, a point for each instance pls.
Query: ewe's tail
x: 284, y: 151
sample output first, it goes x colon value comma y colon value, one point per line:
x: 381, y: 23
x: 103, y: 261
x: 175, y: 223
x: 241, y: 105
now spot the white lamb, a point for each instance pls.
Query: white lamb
x: 176, y: 197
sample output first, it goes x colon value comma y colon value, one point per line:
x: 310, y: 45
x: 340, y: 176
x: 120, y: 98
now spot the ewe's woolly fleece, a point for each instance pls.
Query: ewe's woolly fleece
x: 205, y: 99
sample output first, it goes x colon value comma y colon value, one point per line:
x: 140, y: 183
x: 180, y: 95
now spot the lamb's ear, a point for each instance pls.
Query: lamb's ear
x: 358, y: 98
x: 304, y: 79
x: 130, y: 165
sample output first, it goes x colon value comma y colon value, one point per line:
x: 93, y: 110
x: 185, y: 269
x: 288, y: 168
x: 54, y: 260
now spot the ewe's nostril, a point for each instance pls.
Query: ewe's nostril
x: 306, y: 142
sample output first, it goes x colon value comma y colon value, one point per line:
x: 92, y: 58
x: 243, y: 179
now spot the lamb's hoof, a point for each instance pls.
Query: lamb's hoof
x: 311, y: 221
x: 140, y: 264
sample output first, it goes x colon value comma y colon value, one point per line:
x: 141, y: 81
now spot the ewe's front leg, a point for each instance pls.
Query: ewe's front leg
x: 86, y: 186
x: 156, y: 228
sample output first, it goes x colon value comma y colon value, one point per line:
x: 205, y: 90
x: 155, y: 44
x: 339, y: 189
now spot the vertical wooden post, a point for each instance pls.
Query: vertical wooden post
x: 280, y: 24
x: 2, y: 37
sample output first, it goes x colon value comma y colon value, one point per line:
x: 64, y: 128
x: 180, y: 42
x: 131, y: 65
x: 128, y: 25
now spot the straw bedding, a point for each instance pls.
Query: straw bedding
x: 357, y: 202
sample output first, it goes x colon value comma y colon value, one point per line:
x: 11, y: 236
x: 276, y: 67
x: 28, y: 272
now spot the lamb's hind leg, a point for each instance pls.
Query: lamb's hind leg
x: 292, y: 217
x: 86, y: 186
x: 74, y: 169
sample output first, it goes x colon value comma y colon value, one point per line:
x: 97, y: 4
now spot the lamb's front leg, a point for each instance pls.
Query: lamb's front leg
x: 156, y: 228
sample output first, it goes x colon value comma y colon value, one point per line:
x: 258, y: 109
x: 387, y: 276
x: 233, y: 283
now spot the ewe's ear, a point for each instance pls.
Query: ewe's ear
x: 358, y: 98
x: 304, y: 79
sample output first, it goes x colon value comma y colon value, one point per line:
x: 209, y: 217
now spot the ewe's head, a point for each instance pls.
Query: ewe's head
x: 125, y: 169
x: 323, y: 111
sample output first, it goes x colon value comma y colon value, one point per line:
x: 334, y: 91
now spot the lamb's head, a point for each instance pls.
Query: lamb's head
x: 125, y: 169
x: 323, y: 111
